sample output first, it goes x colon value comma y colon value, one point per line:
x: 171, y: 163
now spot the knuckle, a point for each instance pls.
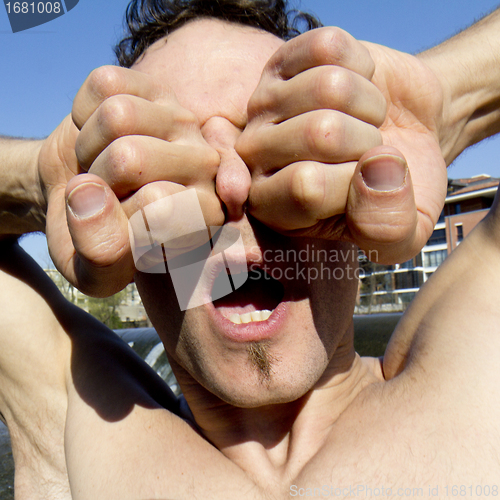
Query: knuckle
x: 122, y: 153
x: 330, y: 46
x: 324, y: 134
x: 384, y: 233
x: 307, y: 187
x: 116, y: 116
x: 106, y: 81
x: 124, y: 161
x: 379, y: 223
x: 335, y: 87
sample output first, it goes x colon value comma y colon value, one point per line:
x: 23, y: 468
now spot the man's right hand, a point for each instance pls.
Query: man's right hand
x: 133, y: 134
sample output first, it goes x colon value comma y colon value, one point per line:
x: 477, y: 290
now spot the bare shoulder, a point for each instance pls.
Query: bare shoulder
x: 438, y: 409
x: 124, y: 430
x: 449, y: 339
x: 148, y: 452
x: 434, y: 419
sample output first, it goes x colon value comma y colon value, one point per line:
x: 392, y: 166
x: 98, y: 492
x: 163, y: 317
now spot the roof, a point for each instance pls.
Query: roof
x: 477, y: 183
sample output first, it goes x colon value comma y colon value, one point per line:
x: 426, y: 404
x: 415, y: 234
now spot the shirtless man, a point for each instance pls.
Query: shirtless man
x: 282, y: 407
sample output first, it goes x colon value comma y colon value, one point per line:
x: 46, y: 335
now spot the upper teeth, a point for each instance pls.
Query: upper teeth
x: 250, y: 316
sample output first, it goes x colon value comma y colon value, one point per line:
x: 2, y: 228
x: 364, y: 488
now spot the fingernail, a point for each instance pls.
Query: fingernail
x: 87, y: 200
x: 384, y: 172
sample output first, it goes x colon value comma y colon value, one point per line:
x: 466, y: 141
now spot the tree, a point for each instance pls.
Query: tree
x: 106, y: 310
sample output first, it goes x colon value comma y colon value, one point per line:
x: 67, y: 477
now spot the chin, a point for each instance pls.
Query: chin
x: 245, y: 385
x: 261, y: 397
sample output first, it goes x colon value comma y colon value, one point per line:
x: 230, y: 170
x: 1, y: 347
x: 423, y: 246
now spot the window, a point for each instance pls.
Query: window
x: 438, y: 237
x: 407, y: 265
x: 460, y: 232
x: 409, y: 279
x: 434, y: 259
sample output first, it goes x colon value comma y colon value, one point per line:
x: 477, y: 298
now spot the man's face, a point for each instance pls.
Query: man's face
x: 213, y: 68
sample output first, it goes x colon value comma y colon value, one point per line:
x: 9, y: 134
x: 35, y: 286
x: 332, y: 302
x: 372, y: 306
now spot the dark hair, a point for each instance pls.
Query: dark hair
x: 149, y: 20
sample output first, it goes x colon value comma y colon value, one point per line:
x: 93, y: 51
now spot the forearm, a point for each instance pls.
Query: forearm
x: 468, y: 67
x: 22, y: 204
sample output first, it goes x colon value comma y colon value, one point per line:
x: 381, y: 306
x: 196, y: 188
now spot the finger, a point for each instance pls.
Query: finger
x: 324, y: 87
x: 125, y: 115
x: 381, y: 213
x: 318, y: 47
x: 102, y: 263
x: 108, y: 81
x: 323, y: 135
x: 301, y: 194
x: 129, y: 163
x: 210, y: 205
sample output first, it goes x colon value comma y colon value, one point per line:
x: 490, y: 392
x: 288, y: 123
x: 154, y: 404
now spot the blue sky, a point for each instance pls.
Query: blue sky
x: 43, y: 68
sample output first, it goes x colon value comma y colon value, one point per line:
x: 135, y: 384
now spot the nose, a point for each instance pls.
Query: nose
x: 233, y: 177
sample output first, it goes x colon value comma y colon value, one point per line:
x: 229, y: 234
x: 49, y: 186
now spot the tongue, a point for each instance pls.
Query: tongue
x: 259, y: 292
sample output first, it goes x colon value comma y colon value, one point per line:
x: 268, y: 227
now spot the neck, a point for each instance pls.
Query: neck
x: 278, y: 437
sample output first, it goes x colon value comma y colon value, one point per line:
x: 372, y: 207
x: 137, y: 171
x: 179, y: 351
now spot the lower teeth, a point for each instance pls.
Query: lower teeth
x: 250, y: 316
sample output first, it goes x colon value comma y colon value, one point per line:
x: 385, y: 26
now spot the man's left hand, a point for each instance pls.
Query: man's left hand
x: 333, y: 126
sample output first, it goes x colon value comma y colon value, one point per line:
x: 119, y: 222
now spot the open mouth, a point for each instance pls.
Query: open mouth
x: 254, y: 301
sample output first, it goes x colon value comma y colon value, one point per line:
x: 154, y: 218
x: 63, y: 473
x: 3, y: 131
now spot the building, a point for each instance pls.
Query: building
x: 391, y: 288
x: 131, y: 311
